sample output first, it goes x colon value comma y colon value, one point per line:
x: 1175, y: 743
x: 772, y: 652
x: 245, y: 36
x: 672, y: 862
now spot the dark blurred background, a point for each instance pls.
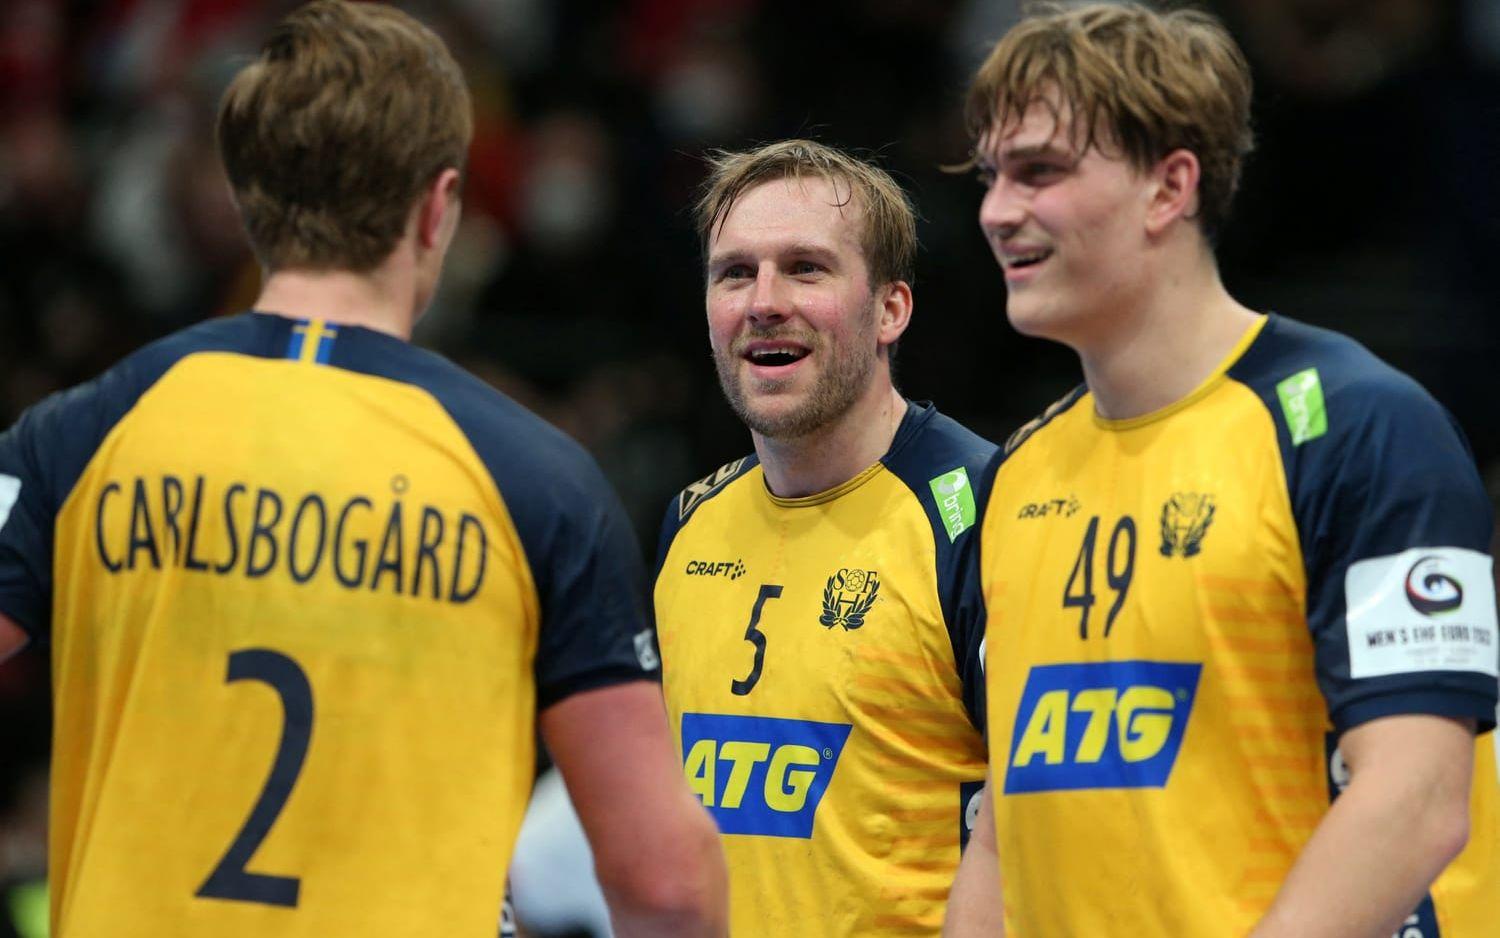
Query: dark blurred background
x: 1372, y: 206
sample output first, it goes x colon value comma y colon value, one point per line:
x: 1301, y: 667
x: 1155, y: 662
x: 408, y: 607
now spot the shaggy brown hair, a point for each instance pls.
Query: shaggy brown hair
x: 889, y: 239
x: 1137, y: 81
x: 331, y: 134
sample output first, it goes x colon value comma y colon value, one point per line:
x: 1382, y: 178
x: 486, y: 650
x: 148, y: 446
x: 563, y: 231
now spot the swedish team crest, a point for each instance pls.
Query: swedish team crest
x: 1184, y: 521
x: 848, y: 597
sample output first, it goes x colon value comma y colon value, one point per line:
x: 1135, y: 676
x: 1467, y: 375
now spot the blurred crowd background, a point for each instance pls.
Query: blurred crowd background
x: 1372, y: 205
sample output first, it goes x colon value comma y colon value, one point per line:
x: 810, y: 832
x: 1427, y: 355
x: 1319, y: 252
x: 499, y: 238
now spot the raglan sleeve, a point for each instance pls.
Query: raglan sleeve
x: 1396, y: 527
x: 590, y: 582
x: 28, y: 512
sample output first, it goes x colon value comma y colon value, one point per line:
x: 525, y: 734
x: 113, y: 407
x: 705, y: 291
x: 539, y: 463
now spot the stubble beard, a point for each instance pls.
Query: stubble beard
x: 845, y: 376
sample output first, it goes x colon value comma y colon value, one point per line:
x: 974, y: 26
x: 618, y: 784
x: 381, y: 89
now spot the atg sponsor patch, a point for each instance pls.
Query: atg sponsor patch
x: 1424, y: 609
x: 760, y: 775
x: 1107, y: 724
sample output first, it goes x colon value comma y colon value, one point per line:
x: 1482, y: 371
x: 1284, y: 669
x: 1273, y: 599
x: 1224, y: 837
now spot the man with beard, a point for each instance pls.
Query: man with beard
x: 819, y: 636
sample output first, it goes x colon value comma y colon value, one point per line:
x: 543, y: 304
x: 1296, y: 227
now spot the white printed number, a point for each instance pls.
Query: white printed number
x: 1409, y: 929
x: 10, y: 490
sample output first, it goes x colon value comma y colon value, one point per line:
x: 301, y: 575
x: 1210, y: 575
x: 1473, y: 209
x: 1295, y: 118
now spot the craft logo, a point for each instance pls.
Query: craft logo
x: 734, y: 569
x: 760, y: 775
x: 955, y: 499
x: 848, y: 597
x: 1431, y: 591
x: 1184, y: 521
x: 1106, y: 724
x: 1054, y: 508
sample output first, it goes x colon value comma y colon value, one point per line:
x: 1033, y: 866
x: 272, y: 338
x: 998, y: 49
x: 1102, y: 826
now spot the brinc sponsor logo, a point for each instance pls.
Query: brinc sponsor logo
x: 955, y: 500
x: 733, y: 569
x: 1109, y: 724
x: 1430, y: 590
x: 760, y: 775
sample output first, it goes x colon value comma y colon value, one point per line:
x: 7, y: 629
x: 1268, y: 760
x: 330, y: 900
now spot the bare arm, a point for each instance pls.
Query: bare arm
x: 1403, y: 818
x: 655, y: 848
x: 12, y: 639
x: 974, y: 905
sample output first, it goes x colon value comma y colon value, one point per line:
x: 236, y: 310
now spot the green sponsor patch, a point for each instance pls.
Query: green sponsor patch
x: 1302, y: 404
x: 955, y: 501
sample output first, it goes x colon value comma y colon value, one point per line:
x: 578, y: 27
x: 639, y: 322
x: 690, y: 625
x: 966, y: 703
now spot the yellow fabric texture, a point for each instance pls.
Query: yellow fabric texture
x: 419, y: 754
x: 1175, y: 534
x: 882, y: 844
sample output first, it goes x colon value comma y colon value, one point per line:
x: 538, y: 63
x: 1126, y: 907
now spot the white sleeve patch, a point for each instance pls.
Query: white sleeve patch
x: 1424, y: 609
x: 10, y: 490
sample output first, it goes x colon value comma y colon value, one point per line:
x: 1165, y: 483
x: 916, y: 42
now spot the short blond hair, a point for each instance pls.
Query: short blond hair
x: 1144, y: 81
x: 332, y: 133
x: 889, y: 238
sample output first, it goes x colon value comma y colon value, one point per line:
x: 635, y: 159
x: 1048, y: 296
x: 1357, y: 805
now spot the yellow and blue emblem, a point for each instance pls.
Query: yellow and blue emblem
x: 1106, y: 724
x: 311, y: 341
x: 760, y: 775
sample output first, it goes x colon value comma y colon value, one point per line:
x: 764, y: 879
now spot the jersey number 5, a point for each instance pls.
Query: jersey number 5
x: 757, y: 638
x: 230, y: 879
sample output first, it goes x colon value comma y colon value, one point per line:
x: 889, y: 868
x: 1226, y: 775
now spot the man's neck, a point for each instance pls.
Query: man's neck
x: 375, y: 300
x: 1158, y: 351
x: 832, y: 455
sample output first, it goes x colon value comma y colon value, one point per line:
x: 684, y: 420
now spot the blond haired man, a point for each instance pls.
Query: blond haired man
x: 309, y: 591
x: 1235, y: 680
x: 819, y: 625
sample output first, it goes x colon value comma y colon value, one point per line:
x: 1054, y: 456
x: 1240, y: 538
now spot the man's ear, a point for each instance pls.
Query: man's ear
x: 894, y: 313
x: 438, y: 209
x: 1173, y: 191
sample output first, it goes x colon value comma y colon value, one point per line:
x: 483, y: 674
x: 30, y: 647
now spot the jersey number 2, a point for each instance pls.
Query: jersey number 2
x: 230, y: 879
x: 757, y: 638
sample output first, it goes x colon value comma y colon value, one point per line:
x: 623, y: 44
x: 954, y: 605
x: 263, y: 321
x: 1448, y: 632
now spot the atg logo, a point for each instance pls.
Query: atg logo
x: 1110, y: 724
x: 760, y: 775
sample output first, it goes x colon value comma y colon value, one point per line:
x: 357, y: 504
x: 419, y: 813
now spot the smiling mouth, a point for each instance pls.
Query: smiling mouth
x: 1023, y: 261
x: 776, y: 356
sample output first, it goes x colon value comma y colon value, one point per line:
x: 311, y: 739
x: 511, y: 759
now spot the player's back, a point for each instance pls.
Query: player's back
x: 293, y: 627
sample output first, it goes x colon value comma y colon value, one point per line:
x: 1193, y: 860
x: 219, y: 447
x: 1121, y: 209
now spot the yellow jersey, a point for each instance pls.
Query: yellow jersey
x: 1186, y: 609
x: 304, y: 589
x: 822, y: 672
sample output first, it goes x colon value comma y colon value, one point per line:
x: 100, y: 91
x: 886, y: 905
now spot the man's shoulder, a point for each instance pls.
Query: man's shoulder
x: 686, y: 502
x: 521, y: 450
x: 1316, y: 381
x: 942, y: 462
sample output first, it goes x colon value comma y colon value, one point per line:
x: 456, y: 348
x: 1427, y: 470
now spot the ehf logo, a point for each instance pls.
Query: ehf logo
x: 848, y: 597
x: 1184, y: 521
x: 1431, y: 591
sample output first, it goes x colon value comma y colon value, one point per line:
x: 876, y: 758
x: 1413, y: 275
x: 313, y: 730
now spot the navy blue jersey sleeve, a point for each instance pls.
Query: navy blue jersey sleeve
x: 1394, y: 526
x: 43, y: 455
x: 586, y: 564
x: 582, y: 554
x: 26, y: 519
x: 943, y: 463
